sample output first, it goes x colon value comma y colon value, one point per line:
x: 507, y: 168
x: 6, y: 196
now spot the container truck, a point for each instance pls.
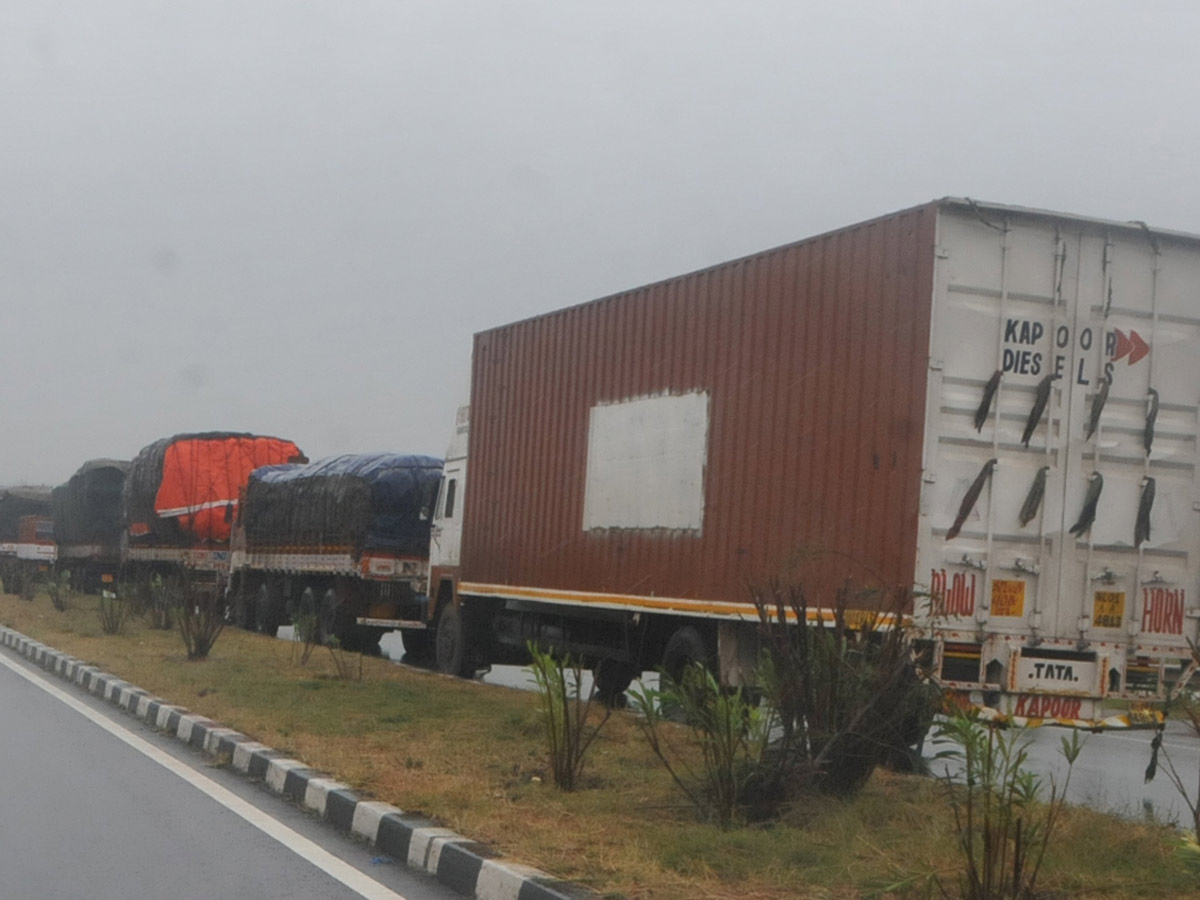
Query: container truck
x: 993, y: 407
x: 87, y: 523
x: 26, y: 531
x: 345, y: 538
x: 179, y: 500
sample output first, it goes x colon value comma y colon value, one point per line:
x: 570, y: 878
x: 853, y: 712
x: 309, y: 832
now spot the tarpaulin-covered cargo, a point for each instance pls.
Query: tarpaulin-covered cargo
x: 185, y: 488
x: 367, y: 502
x: 87, y: 509
x: 16, y: 502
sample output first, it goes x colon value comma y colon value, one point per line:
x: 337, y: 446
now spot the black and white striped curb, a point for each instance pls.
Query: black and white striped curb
x: 465, y: 866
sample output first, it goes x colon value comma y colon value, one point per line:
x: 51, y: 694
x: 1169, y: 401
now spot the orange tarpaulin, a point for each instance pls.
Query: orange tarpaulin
x: 202, y: 479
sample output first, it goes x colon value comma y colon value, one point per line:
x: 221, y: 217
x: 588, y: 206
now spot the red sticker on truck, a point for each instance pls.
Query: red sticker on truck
x: 1033, y: 706
x: 952, y: 595
x: 1162, y: 610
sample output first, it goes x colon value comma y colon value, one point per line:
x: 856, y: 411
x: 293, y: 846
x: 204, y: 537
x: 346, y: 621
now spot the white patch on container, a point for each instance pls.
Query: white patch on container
x: 645, y: 465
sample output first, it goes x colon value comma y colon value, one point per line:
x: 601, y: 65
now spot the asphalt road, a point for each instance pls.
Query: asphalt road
x: 1109, y: 774
x: 98, y: 805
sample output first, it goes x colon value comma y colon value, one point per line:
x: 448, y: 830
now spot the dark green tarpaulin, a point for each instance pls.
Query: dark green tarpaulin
x: 381, y: 501
x: 87, y: 509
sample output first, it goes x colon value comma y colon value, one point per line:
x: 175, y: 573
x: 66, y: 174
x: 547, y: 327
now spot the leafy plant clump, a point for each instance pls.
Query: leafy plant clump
x: 565, y: 714
x: 731, y: 734
x: 833, y: 701
x: 1002, y: 826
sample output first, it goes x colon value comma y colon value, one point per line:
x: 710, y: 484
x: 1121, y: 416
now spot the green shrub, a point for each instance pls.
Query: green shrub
x: 729, y: 731
x: 1002, y: 827
x: 565, y: 714
x: 840, y: 694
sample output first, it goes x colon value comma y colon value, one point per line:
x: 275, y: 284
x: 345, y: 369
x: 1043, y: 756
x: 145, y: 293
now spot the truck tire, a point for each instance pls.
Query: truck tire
x: 362, y: 639
x: 241, y: 605
x: 612, y: 678
x: 308, y: 619
x: 456, y: 650
x: 268, y: 609
x: 685, y: 647
x: 420, y: 647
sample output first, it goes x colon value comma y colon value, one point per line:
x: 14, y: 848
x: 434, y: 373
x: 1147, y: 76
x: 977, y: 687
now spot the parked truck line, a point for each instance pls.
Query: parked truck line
x: 985, y: 412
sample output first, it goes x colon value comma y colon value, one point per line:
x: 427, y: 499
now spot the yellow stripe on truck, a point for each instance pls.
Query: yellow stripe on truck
x: 709, y: 608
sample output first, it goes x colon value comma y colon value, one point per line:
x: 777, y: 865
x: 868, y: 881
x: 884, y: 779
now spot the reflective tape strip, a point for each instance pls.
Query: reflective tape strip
x: 188, y: 510
x: 709, y: 608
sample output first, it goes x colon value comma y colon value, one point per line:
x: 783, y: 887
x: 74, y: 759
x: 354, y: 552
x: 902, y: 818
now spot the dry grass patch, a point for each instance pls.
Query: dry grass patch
x: 471, y: 756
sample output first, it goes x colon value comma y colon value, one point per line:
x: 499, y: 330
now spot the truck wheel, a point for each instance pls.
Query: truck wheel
x: 420, y: 647
x: 241, y: 603
x: 456, y: 653
x: 685, y: 647
x: 307, y: 619
x: 612, y: 678
x: 267, y: 613
x: 367, y: 641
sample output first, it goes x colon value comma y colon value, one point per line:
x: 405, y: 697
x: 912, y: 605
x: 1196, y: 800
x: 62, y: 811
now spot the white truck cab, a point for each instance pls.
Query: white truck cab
x: 446, y: 543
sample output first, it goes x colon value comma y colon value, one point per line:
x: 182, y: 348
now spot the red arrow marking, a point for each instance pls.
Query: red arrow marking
x: 1140, y: 347
x: 1124, y: 345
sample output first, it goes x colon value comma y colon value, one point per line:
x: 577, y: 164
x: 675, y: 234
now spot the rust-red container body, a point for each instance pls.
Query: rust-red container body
x: 795, y: 381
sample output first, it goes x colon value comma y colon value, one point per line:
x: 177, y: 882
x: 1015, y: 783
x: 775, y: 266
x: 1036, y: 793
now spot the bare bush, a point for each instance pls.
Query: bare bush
x: 306, y: 629
x: 844, y: 686
x: 113, y: 610
x: 165, y: 594
x: 343, y: 661
x: 200, y: 614
x: 58, y: 586
x: 1186, y: 707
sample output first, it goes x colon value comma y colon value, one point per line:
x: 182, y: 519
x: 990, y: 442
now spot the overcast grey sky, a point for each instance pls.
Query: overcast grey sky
x: 290, y: 217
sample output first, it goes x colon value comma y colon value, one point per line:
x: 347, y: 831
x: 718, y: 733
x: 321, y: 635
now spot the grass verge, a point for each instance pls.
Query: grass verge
x: 472, y: 756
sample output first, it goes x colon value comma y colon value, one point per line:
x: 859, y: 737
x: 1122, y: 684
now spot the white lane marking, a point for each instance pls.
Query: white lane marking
x: 297, y: 843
